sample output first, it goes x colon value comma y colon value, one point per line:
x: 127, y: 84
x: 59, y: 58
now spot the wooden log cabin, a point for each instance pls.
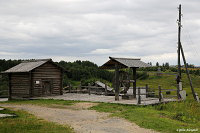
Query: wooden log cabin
x: 35, y: 78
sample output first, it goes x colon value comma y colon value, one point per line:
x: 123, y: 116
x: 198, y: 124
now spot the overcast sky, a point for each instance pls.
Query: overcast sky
x: 96, y: 29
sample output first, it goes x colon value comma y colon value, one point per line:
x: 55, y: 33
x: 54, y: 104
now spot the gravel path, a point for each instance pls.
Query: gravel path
x: 81, y: 119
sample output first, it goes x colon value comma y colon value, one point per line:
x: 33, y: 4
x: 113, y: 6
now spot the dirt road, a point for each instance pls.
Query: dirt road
x: 82, y: 119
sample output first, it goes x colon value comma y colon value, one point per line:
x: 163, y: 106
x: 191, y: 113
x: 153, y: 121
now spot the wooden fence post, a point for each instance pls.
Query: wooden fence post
x: 160, y: 93
x: 106, y: 93
x: 89, y: 88
x: 147, y: 90
x: 139, y: 97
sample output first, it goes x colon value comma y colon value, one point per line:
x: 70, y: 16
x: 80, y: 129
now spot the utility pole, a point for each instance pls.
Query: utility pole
x: 179, y: 46
x: 180, y: 51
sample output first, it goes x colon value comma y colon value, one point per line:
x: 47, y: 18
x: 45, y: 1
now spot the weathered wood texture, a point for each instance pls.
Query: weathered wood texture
x: 43, y: 80
x: 48, y: 72
x: 19, y: 85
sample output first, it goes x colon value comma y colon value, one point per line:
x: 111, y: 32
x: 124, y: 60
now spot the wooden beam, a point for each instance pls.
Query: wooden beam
x: 134, y: 83
x: 188, y: 75
x: 116, y: 82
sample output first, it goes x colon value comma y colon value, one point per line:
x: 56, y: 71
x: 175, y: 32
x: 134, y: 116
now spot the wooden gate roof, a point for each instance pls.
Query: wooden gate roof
x: 124, y: 63
x: 28, y: 66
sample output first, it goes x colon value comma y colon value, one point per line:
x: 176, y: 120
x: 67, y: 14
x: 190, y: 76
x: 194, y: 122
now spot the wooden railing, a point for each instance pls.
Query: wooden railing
x: 87, y: 89
x: 158, y: 93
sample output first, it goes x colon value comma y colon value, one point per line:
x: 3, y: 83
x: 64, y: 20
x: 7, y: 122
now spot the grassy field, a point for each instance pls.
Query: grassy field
x: 168, y: 82
x: 164, y: 118
x: 27, y: 123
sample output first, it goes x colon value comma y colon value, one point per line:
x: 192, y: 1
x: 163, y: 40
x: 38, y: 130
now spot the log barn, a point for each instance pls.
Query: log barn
x: 35, y: 78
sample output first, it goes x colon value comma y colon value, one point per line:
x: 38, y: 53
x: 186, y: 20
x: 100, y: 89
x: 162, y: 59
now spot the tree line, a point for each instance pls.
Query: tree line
x: 77, y: 70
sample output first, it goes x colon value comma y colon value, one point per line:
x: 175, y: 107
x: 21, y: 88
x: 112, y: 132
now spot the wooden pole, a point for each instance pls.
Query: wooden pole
x: 160, y: 95
x: 179, y: 45
x: 116, y: 82
x: 106, y: 93
x: 188, y: 75
x: 134, y: 83
x: 139, y: 97
x: 147, y: 87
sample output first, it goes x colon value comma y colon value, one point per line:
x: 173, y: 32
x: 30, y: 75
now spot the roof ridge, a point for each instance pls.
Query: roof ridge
x: 125, y: 58
x: 35, y: 60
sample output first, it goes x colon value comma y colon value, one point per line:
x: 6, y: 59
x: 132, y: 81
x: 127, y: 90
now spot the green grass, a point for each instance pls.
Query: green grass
x: 168, y: 82
x: 27, y: 123
x: 43, y: 102
x: 165, y: 117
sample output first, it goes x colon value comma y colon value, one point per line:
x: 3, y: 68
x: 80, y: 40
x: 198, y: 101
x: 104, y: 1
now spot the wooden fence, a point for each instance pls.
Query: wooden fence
x: 88, y: 89
x: 157, y: 94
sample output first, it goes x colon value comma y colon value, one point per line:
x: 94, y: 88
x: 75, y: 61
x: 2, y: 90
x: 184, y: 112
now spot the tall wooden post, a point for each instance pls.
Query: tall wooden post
x: 139, y: 96
x: 116, y: 82
x: 179, y: 46
x: 134, y: 83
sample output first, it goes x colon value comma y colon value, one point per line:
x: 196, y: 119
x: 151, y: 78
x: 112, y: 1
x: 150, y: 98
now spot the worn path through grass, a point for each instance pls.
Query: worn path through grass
x: 24, y: 122
x: 78, y: 116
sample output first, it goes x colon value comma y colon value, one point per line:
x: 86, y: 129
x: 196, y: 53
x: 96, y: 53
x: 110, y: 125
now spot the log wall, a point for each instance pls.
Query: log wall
x: 47, y: 72
x: 19, y: 85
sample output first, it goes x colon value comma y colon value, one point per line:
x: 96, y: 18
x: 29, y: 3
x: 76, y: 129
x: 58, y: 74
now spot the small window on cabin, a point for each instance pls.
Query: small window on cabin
x: 37, y: 82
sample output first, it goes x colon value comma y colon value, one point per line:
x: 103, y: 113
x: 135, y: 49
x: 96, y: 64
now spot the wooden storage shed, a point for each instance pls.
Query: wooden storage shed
x: 35, y: 78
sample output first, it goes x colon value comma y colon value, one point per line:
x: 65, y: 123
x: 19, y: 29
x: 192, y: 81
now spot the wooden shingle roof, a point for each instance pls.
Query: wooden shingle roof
x: 124, y: 63
x: 27, y: 66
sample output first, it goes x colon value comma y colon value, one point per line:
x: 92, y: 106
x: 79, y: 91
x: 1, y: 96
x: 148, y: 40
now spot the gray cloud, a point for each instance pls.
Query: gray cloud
x: 95, y: 29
